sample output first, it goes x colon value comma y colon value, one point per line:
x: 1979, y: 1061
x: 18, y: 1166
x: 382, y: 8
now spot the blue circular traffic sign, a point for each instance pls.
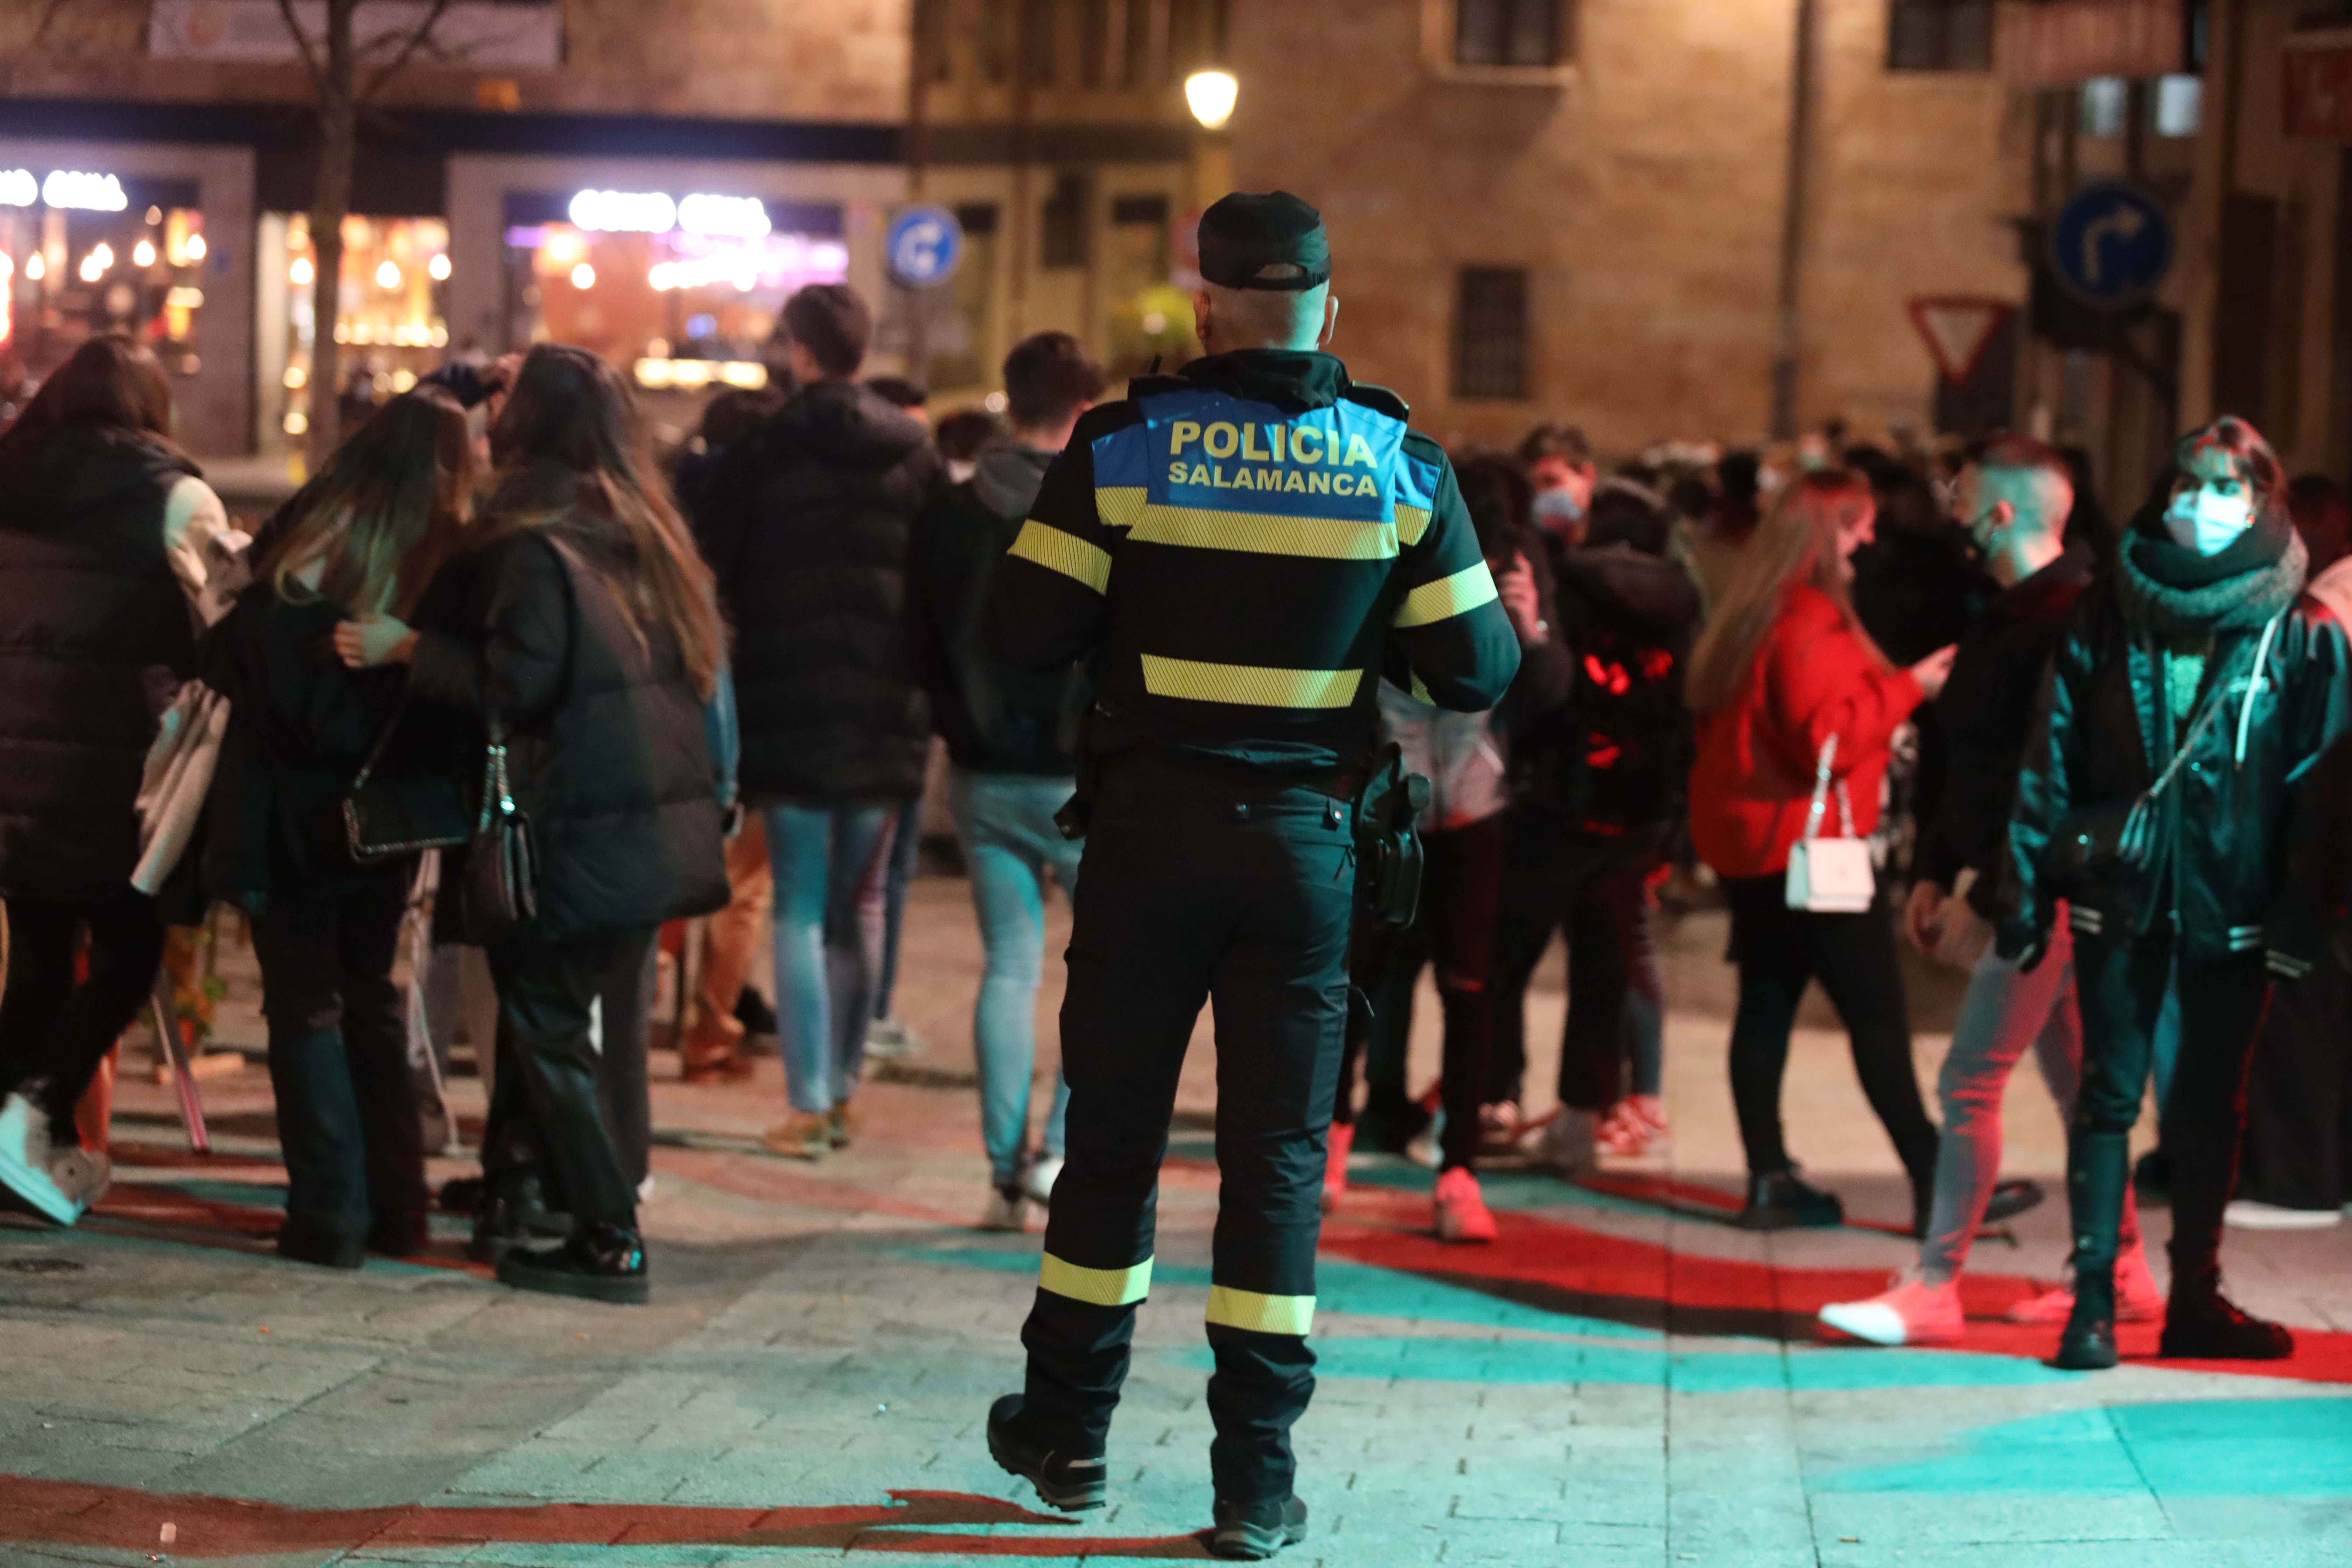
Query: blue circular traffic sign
x: 2112, y: 245
x: 923, y: 246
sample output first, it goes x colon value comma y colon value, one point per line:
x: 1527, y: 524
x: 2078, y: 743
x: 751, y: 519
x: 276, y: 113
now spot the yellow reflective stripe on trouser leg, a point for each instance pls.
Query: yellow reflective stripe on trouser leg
x: 1250, y: 685
x: 1096, y: 1287
x: 1065, y: 552
x: 1232, y: 1308
x: 1447, y: 597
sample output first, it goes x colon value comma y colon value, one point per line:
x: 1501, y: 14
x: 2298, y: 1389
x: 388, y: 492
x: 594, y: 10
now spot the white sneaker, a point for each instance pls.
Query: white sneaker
x: 1910, y: 1312
x: 32, y: 1170
x: 1006, y: 1212
x: 1571, y: 1144
x: 1039, y: 1183
x: 890, y: 1040
x: 2247, y: 1214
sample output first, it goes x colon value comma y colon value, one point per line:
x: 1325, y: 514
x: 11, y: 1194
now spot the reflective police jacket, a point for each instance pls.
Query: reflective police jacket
x: 1241, y: 551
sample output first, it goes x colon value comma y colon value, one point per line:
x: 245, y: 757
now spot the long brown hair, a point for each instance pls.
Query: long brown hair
x: 112, y: 380
x: 1796, y: 543
x: 384, y: 513
x: 570, y: 450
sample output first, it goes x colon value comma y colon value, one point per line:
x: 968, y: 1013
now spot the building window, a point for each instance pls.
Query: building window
x: 1037, y: 41
x: 1135, y: 42
x: 996, y: 27
x: 932, y: 61
x: 1526, y: 33
x: 1939, y: 35
x: 1094, y: 42
x: 1196, y: 36
x: 1061, y: 224
x: 2101, y: 106
x: 2176, y: 104
x: 1490, y: 333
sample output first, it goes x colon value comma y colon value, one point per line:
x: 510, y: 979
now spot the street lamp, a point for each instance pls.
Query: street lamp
x: 1211, y: 96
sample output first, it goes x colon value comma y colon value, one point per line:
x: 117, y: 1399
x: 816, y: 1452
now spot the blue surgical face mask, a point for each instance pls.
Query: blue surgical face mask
x: 1555, y: 510
x: 2208, y: 521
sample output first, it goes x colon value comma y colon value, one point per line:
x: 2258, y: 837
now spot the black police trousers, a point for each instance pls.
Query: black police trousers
x: 1193, y: 889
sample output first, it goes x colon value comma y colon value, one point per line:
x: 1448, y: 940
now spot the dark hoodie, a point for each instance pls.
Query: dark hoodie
x: 95, y: 638
x: 995, y: 719
x: 1617, y: 753
x: 808, y: 533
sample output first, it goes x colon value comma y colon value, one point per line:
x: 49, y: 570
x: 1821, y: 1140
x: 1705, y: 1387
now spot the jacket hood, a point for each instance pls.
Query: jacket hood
x: 850, y: 425
x: 1008, y: 476
x: 46, y: 483
x: 1648, y: 592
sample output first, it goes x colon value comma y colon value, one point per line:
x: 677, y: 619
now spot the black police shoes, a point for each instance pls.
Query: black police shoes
x: 1071, y: 1482
x: 2088, y: 1343
x: 1778, y: 1200
x: 596, y: 1263
x: 301, y: 1245
x: 511, y: 1219
x: 1254, y: 1530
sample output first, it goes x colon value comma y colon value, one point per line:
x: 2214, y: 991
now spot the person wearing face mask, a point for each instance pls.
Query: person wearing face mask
x: 2014, y: 501
x: 1559, y: 465
x: 2159, y: 807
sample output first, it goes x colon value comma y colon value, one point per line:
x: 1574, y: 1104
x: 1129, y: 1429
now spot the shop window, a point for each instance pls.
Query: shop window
x: 1939, y: 35
x: 85, y: 251
x: 1517, y: 33
x: 1150, y: 317
x: 2176, y: 103
x: 1490, y: 333
x: 2102, y: 105
x: 388, y: 315
x: 1061, y: 224
x: 681, y: 290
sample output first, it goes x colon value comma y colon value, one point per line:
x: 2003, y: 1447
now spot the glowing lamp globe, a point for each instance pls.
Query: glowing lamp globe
x: 1211, y: 95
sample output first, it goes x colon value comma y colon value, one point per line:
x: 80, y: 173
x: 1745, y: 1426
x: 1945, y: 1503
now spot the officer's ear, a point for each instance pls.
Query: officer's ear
x: 1200, y: 316
x: 1330, y: 320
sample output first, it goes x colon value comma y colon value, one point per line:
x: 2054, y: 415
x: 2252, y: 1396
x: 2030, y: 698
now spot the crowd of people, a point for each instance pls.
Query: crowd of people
x: 603, y: 691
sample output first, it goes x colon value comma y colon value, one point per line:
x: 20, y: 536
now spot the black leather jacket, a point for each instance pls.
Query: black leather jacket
x: 2229, y: 823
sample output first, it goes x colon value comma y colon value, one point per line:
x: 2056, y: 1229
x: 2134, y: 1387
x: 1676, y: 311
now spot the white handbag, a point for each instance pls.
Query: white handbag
x: 1830, y: 876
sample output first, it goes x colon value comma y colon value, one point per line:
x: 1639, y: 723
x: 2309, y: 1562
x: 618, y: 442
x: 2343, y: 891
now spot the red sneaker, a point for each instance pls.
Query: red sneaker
x: 2138, y: 1300
x: 1461, y: 1209
x: 1911, y: 1312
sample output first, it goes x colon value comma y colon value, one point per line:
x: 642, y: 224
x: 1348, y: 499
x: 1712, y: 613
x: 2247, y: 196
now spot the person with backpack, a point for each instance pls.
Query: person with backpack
x: 1011, y: 736
x: 1597, y: 784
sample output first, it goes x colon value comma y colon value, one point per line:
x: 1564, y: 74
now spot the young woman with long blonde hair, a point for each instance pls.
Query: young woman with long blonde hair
x: 1783, y: 669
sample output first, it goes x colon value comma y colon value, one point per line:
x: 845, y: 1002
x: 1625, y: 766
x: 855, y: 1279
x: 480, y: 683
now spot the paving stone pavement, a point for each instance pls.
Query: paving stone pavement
x: 1623, y: 1380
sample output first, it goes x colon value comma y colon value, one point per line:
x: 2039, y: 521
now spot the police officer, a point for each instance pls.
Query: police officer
x: 1239, y: 551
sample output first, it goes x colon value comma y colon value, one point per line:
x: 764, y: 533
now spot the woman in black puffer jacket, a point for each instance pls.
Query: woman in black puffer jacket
x: 103, y: 525
x: 365, y: 535
x: 580, y: 622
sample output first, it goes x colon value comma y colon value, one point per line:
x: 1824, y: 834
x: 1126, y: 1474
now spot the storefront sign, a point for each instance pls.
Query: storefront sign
x: 75, y: 188
x: 474, y: 35
x: 2318, y: 99
x: 2064, y: 43
x: 652, y: 212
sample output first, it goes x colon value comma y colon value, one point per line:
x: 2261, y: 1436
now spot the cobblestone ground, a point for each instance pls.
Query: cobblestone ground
x: 1624, y: 1380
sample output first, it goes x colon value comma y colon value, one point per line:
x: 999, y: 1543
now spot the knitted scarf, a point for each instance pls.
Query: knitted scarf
x: 2169, y: 589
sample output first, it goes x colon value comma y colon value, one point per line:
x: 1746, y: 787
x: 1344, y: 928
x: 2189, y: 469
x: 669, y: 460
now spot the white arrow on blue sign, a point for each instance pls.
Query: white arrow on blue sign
x: 2112, y: 245
x: 923, y: 246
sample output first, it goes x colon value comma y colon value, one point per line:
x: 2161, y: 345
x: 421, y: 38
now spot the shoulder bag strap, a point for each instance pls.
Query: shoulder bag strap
x: 1821, y: 792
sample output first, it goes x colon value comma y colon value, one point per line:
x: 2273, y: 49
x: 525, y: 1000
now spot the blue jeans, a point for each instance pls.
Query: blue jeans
x: 829, y: 864
x: 905, y: 849
x: 1006, y: 824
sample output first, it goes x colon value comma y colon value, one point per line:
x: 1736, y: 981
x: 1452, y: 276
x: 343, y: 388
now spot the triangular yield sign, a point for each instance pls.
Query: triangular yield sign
x: 1958, y: 328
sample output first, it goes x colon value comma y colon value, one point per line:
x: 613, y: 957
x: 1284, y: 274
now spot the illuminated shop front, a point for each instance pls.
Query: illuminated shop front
x: 389, y: 315
x: 681, y: 291
x: 87, y: 250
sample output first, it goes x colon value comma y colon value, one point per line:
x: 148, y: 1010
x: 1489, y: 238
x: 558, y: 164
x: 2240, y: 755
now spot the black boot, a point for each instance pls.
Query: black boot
x: 2202, y: 1324
x: 1256, y: 1530
x: 1072, y: 1482
x: 2089, y: 1342
x: 301, y: 1244
x: 596, y: 1262
x: 1778, y: 1200
x: 511, y: 1218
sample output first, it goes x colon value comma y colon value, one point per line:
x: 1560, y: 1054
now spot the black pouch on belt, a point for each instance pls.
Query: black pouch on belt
x: 1388, y: 853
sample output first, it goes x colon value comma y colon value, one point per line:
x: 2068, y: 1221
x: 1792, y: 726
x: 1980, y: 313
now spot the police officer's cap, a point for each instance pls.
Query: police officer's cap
x: 1272, y: 241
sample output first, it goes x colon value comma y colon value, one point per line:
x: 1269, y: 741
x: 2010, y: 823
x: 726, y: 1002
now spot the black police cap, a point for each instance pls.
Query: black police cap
x: 1242, y: 234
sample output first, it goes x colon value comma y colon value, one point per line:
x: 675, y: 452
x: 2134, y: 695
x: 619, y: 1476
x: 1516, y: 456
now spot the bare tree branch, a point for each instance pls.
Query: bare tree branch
x: 302, y: 42
x: 393, y: 68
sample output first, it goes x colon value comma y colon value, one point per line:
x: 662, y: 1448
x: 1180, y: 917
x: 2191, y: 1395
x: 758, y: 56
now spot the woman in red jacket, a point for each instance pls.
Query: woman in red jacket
x: 1783, y: 668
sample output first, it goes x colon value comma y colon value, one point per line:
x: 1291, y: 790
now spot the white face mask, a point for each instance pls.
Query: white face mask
x: 1556, y: 509
x: 2207, y: 520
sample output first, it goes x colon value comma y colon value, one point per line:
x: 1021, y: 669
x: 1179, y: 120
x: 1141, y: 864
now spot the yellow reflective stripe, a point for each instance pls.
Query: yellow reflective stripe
x: 1250, y: 685
x: 1096, y: 1287
x: 1120, y: 506
x: 1263, y: 533
x: 1233, y: 1309
x: 1065, y: 552
x: 1448, y: 596
x: 1413, y: 522
x: 1421, y: 692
